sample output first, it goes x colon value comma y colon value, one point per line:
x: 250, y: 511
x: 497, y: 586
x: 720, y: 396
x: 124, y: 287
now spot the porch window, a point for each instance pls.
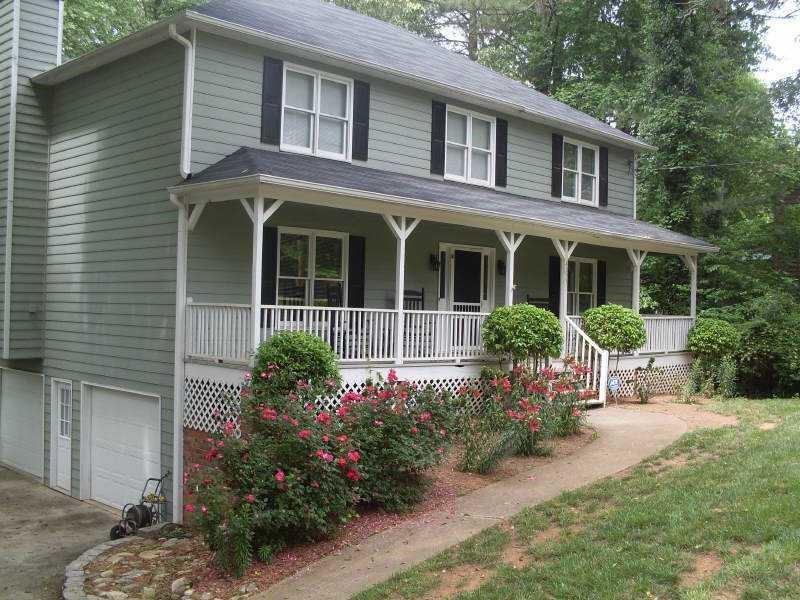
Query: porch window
x: 469, y: 151
x: 311, y: 268
x: 581, y: 286
x: 580, y: 173
x: 317, y: 114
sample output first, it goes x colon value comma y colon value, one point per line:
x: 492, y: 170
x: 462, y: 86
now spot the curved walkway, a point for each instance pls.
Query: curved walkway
x: 625, y: 437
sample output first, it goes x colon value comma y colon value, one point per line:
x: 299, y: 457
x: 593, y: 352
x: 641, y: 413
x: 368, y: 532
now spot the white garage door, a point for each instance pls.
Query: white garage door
x: 22, y: 421
x: 125, y: 444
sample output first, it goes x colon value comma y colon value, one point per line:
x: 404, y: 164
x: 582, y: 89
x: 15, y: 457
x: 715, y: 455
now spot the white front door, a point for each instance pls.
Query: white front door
x: 61, y: 438
x: 467, y: 281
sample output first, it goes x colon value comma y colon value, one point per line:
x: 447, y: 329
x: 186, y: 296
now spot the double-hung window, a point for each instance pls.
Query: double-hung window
x: 581, y: 285
x: 469, y: 147
x: 312, y: 267
x: 317, y: 113
x: 581, y: 165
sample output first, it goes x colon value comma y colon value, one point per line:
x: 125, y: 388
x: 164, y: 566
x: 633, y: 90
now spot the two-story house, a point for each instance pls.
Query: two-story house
x: 252, y: 166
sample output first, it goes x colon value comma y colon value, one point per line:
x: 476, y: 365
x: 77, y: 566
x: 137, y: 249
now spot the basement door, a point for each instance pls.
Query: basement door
x: 61, y: 435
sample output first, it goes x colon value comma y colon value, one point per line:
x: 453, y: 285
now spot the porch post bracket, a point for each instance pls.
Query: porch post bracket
x: 565, y: 248
x: 511, y: 242
x: 690, y: 260
x: 197, y: 211
x: 267, y: 212
x: 637, y: 259
x: 402, y: 229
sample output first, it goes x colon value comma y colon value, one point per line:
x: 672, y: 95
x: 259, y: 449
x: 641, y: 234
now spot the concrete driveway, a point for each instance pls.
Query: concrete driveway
x: 41, y: 531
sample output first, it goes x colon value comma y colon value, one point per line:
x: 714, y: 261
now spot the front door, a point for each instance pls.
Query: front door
x: 466, y: 282
x: 62, y: 423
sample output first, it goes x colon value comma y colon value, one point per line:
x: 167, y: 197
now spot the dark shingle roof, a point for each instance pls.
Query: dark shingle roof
x: 439, y: 194
x: 331, y: 29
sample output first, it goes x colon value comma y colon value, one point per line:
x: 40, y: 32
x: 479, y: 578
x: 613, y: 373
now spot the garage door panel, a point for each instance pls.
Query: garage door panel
x: 22, y: 421
x: 126, y: 445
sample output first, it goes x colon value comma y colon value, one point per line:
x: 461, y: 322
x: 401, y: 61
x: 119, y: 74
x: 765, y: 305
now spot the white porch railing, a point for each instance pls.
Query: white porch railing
x: 442, y: 335
x: 218, y: 331
x: 586, y: 352
x: 665, y: 333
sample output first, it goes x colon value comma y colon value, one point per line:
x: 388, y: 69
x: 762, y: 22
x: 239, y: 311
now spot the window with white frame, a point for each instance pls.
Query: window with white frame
x: 469, y: 147
x: 580, y: 169
x: 581, y: 285
x: 64, y: 410
x: 312, y: 268
x: 317, y: 113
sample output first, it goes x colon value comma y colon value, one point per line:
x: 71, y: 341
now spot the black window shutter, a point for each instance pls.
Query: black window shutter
x: 557, y: 164
x: 438, y: 124
x: 554, y: 278
x: 360, y: 120
x: 501, y: 161
x: 603, y: 176
x: 269, y: 266
x: 271, y: 99
x: 601, y: 282
x: 356, y: 271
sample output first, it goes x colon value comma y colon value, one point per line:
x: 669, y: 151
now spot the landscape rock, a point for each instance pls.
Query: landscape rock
x: 179, y: 586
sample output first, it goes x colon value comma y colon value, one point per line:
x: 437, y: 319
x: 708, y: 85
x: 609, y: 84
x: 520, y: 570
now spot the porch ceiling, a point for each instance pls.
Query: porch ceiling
x: 250, y: 172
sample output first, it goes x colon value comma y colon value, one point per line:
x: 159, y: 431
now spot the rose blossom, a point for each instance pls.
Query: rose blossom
x: 353, y: 475
x: 280, y: 476
x: 392, y: 376
x: 203, y: 509
x: 250, y: 498
x: 323, y: 418
x: 269, y: 414
x: 304, y: 434
x: 353, y: 455
x: 188, y: 508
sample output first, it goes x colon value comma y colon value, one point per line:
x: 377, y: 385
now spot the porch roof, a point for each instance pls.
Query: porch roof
x: 486, y: 207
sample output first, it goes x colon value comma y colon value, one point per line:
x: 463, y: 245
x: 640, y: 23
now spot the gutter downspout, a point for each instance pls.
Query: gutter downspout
x: 12, y: 142
x: 188, y: 99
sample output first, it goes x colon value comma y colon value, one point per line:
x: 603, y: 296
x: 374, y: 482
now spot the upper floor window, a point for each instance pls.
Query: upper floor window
x: 470, y: 147
x: 317, y: 113
x: 581, y: 166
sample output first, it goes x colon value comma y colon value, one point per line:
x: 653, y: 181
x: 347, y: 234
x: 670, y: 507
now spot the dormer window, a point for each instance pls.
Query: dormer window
x: 470, y: 147
x: 317, y: 113
x: 580, y: 169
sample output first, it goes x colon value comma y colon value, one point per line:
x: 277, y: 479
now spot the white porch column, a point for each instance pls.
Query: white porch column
x: 510, y: 242
x: 259, y: 216
x: 402, y: 228
x: 690, y: 260
x: 637, y: 259
x: 565, y: 248
x: 180, y: 355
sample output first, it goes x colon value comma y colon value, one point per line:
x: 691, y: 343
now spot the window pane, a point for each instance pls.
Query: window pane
x: 569, y: 184
x: 297, y: 128
x: 454, y: 161
x: 332, y: 135
x: 334, y: 98
x: 329, y: 258
x: 456, y: 128
x: 299, y: 90
x: 587, y: 188
x: 572, y: 304
x: 480, y: 165
x: 587, y: 160
x: 587, y: 277
x: 328, y: 293
x: 292, y: 291
x: 571, y: 276
x: 481, y: 134
x: 570, y: 156
x: 294, y: 255
x: 584, y: 302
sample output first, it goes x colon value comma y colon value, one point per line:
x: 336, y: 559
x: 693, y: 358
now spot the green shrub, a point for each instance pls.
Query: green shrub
x: 727, y: 377
x: 521, y: 332
x: 643, y: 380
x: 712, y: 339
x: 286, y: 358
x: 615, y: 328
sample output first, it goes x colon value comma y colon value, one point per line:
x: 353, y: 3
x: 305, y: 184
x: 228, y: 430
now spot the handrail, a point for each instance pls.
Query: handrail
x: 587, y: 352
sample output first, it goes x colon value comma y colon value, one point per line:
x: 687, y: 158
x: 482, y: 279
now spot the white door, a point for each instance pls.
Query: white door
x: 22, y: 421
x: 125, y: 444
x: 466, y: 279
x: 61, y: 437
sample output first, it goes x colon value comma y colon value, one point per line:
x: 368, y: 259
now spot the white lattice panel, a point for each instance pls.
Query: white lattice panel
x: 667, y: 380
x: 205, y: 399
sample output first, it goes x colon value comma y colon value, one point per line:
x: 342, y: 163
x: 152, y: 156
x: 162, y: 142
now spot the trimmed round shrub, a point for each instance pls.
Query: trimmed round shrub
x: 712, y: 339
x: 522, y: 331
x: 615, y: 328
x: 287, y: 358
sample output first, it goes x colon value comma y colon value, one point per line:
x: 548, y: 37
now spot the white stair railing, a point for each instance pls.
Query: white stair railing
x: 586, y: 352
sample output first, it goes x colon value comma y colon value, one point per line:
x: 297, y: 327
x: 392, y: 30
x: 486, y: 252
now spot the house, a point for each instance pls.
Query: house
x: 253, y: 166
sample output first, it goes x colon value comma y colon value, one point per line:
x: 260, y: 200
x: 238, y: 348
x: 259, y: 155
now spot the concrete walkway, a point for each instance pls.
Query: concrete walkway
x: 40, y: 532
x: 625, y: 437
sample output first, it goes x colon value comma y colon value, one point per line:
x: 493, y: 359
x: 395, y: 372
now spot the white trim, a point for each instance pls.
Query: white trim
x: 316, y: 113
x: 55, y: 415
x: 449, y: 248
x: 86, y: 437
x: 60, y: 38
x: 10, y: 179
x: 179, y: 359
x: 576, y: 199
x: 468, y: 147
x: 185, y: 166
x: 576, y: 261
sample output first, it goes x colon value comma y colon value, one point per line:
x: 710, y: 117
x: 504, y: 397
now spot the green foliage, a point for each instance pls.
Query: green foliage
x: 287, y: 358
x: 521, y: 332
x: 712, y: 339
x: 643, y: 380
x: 615, y: 328
x: 727, y: 377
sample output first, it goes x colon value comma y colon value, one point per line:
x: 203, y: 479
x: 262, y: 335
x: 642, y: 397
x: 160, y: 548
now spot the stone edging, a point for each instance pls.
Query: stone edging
x: 74, y: 574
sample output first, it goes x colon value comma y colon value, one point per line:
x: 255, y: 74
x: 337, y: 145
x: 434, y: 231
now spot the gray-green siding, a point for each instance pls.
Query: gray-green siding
x: 111, y: 241
x: 227, y: 116
x: 6, y: 44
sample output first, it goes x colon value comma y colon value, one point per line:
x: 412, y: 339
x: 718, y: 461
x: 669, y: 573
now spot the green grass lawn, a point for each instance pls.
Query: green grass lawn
x: 716, y: 515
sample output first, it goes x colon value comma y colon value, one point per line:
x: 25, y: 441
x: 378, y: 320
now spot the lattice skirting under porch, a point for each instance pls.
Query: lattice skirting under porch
x: 668, y: 380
